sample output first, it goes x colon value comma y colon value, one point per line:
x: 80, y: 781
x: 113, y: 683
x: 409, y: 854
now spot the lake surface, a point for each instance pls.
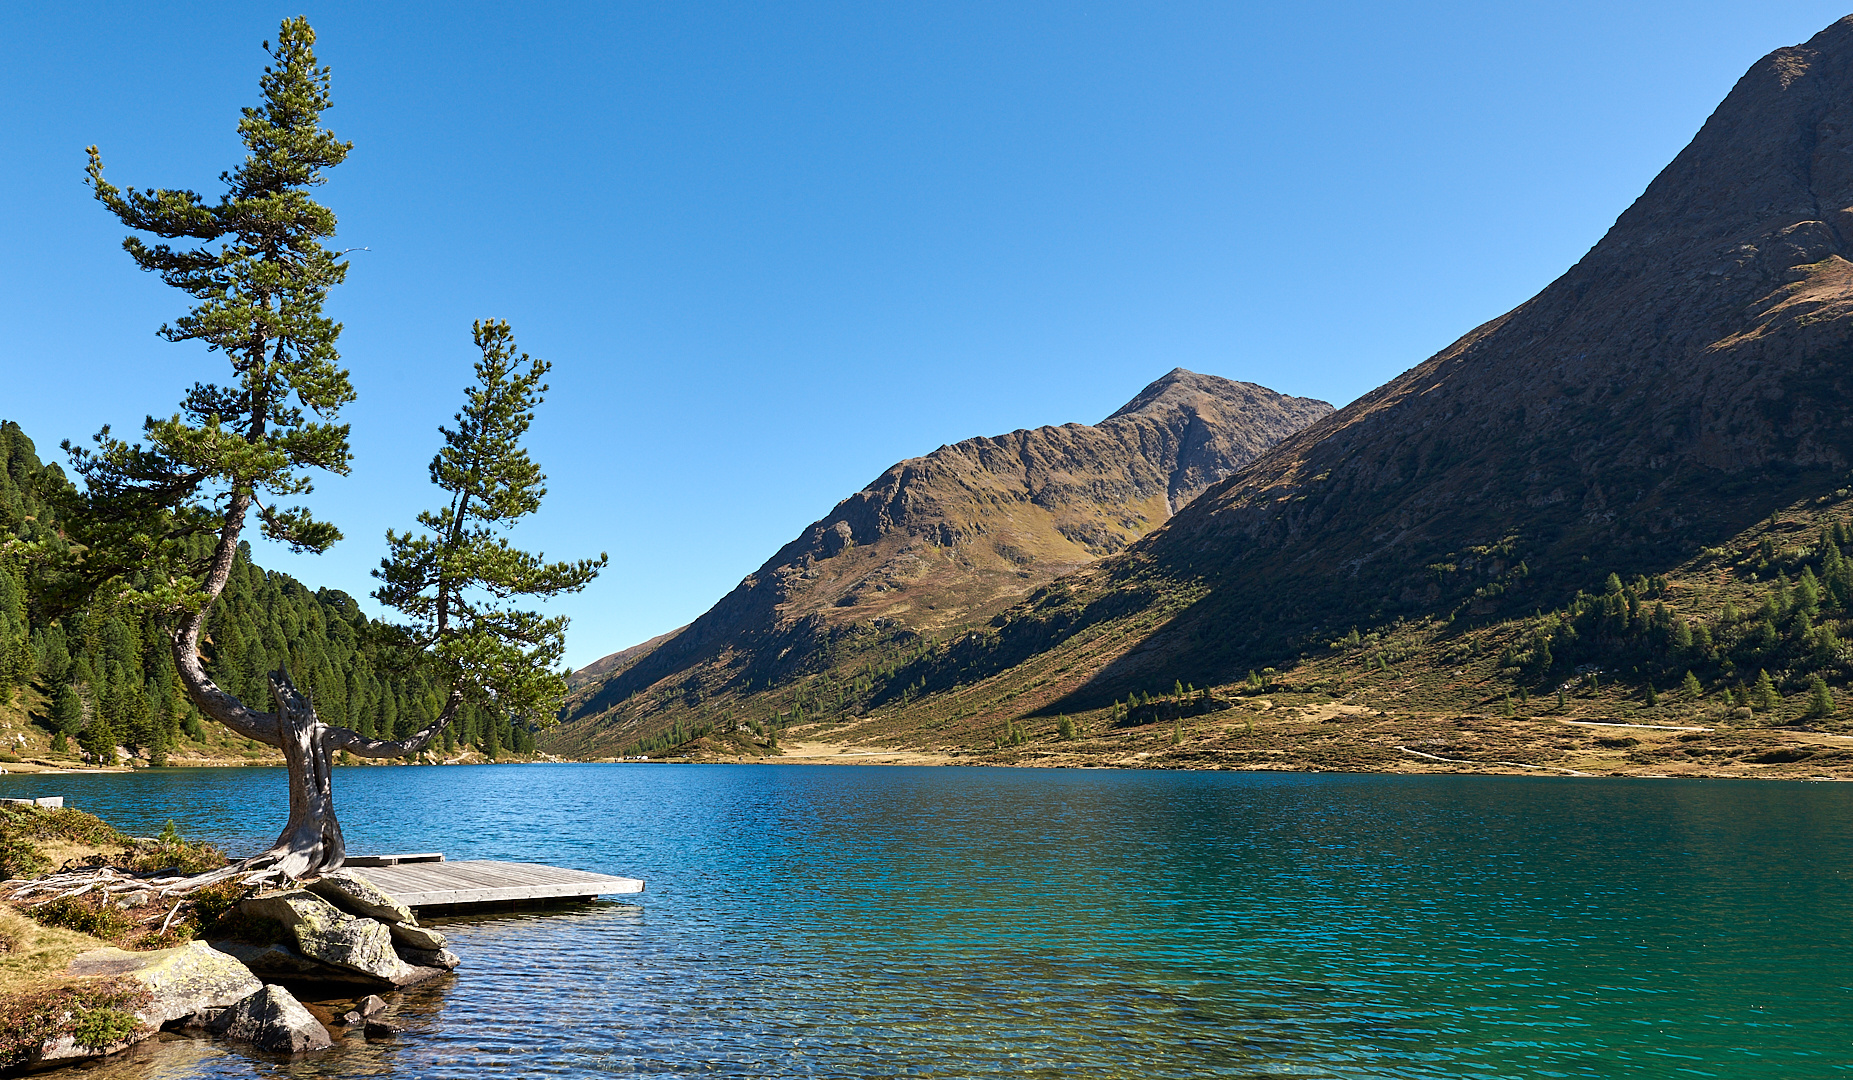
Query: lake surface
x: 844, y: 921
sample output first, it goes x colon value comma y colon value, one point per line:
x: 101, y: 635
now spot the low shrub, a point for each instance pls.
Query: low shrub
x: 251, y: 929
x: 95, y: 1015
x: 214, y: 903
x: 101, y: 919
x: 22, y: 826
x: 215, y: 916
x: 20, y: 857
x: 172, y: 852
x: 75, y: 826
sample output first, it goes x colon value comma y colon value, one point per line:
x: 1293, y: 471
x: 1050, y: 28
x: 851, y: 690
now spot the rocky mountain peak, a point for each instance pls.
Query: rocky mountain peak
x: 939, y: 541
x: 1181, y: 388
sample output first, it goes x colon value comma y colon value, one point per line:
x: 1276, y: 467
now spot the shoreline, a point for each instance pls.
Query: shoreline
x: 1332, y: 737
x: 1409, y: 755
x: 1422, y: 765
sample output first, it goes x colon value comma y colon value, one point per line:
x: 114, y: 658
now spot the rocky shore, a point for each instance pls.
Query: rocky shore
x: 262, y: 942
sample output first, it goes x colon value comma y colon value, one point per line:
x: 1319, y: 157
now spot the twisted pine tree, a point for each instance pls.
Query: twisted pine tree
x: 256, y: 265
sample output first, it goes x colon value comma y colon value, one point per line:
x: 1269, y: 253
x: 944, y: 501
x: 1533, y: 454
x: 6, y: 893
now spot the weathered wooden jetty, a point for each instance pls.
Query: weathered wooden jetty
x: 434, y: 886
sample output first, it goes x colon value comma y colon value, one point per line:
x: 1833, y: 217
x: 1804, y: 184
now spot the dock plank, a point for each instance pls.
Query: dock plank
x: 480, y: 882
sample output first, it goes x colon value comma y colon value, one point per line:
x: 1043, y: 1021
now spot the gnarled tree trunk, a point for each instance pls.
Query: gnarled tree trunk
x: 311, y: 842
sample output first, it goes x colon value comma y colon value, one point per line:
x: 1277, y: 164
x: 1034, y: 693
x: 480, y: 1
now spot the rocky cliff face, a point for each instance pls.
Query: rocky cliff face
x: 940, y: 541
x: 1688, y: 375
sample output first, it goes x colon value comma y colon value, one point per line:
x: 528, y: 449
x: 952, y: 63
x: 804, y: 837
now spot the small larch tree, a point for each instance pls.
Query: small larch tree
x: 1820, y: 698
x: 455, y: 576
x: 1764, y: 696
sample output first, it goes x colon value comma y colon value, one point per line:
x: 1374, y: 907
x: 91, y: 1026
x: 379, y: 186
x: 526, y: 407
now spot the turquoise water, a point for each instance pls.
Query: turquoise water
x: 842, y: 921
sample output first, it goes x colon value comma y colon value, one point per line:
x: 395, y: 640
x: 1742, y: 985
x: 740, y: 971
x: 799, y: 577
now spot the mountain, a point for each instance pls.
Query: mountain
x: 1688, y: 376
x: 1626, y: 501
x: 614, y: 663
x: 939, y: 542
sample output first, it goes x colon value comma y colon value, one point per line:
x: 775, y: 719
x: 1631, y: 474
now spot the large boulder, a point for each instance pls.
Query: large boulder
x: 327, y: 934
x: 184, y: 980
x: 273, y: 1020
x: 357, y: 896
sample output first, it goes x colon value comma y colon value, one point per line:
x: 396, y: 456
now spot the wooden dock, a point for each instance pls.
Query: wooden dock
x: 434, y: 886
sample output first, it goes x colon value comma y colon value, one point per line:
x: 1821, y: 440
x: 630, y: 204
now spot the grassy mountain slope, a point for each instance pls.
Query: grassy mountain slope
x: 612, y: 664
x: 944, y: 541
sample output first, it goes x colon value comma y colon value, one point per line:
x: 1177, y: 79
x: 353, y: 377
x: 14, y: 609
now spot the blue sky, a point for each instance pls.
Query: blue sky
x: 772, y: 249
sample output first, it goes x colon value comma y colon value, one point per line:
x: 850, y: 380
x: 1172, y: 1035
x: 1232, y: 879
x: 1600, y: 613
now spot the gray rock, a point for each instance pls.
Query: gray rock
x: 357, y: 896
x: 65, y: 1051
x: 201, y: 1020
x: 327, y: 934
x: 183, y: 980
x: 273, y: 1020
x: 371, y: 1005
x: 418, y: 937
x: 137, y: 899
x: 417, y: 973
x: 280, y: 962
x: 349, y: 1018
x: 432, y: 958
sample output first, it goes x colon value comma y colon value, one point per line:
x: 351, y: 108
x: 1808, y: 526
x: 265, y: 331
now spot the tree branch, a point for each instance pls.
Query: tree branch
x: 340, y: 738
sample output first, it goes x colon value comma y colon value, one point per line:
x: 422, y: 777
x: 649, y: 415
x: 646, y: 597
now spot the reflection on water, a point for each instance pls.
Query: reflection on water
x: 974, y: 922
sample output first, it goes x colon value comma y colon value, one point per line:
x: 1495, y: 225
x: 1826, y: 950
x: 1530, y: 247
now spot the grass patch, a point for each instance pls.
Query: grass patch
x: 36, y: 956
x: 34, y: 840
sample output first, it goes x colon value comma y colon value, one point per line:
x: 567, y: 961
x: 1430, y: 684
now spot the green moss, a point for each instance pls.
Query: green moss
x: 105, y: 1026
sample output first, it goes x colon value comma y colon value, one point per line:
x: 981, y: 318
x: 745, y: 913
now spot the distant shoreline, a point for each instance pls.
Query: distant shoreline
x: 1418, y: 763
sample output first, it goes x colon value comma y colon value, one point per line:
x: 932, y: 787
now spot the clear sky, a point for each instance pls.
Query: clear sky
x: 773, y: 248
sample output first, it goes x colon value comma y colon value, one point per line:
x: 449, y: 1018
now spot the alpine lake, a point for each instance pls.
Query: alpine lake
x: 973, y: 922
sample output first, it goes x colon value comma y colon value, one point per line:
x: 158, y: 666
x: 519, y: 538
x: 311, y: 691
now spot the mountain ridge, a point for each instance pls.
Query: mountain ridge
x: 956, y: 534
